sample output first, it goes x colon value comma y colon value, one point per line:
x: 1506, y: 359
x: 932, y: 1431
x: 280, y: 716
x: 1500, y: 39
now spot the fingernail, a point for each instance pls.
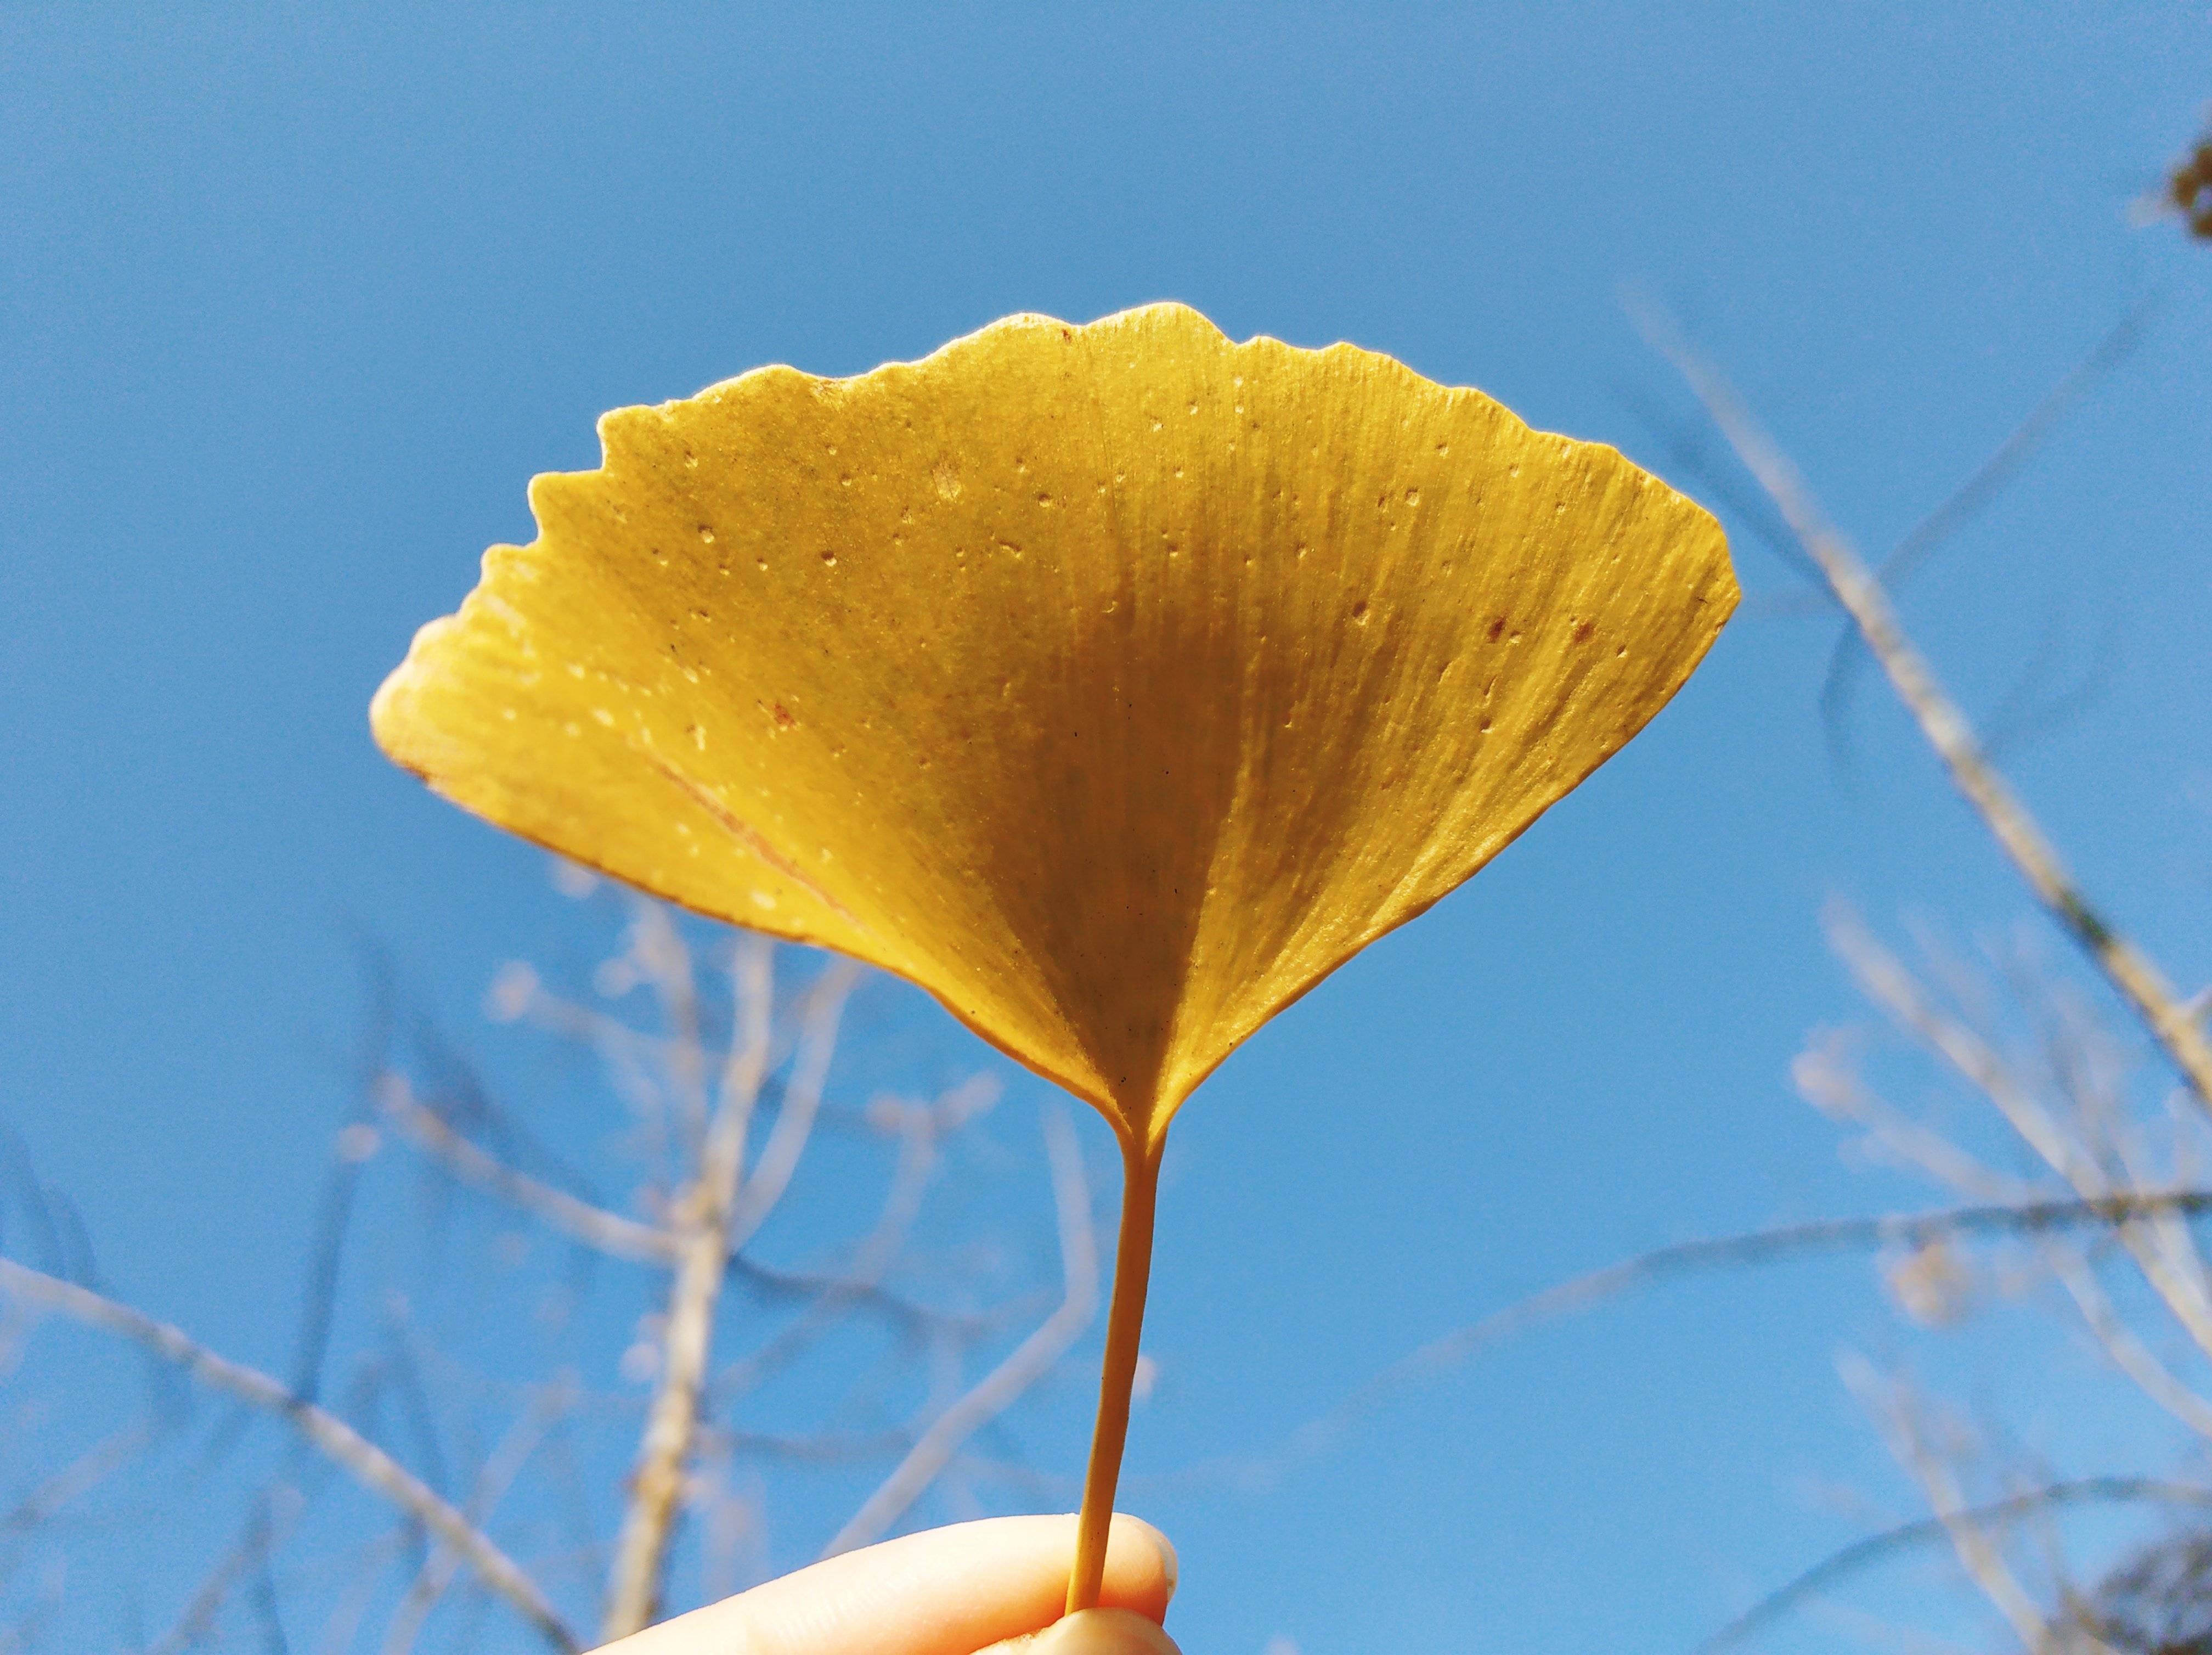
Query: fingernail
x: 1104, y: 1632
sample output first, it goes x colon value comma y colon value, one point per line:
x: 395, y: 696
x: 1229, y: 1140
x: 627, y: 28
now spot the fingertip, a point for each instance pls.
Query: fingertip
x: 1104, y: 1632
x: 1169, y: 1569
x: 1140, y: 1567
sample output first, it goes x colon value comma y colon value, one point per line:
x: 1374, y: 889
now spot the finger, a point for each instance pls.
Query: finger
x: 1093, y: 1632
x: 945, y: 1591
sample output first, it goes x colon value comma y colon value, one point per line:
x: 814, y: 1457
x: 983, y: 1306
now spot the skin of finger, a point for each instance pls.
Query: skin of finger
x: 945, y: 1591
x: 1093, y: 1632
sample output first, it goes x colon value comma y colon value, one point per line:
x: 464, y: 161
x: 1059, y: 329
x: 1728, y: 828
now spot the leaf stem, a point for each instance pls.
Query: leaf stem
x: 1125, y: 1321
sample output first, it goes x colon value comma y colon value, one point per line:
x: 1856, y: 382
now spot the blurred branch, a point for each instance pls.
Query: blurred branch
x: 751, y: 1199
x: 275, y: 1514
x: 79, y: 1477
x: 2188, y: 191
x: 816, y: 1448
x: 1689, y: 448
x: 498, y: 1474
x: 594, y: 1226
x: 856, y: 1288
x: 1875, y: 1548
x: 369, y: 1465
x: 627, y: 1238
x: 659, y: 949
x: 2167, y: 1262
x: 2128, y: 1353
x: 1897, y: 1416
x: 702, y: 1222
x: 718, y: 1213
x: 1826, y: 1080
x: 2019, y: 716
x: 2138, y: 981
x: 921, y: 1129
x: 727, y: 1083
x: 992, y: 1395
x: 1994, y: 472
x: 1819, y: 1238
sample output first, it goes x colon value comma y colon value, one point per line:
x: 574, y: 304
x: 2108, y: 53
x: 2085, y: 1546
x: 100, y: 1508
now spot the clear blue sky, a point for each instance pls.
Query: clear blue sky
x: 293, y: 300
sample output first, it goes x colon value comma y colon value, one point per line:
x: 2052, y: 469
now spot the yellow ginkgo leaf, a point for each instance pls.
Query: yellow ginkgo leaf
x: 1113, y: 683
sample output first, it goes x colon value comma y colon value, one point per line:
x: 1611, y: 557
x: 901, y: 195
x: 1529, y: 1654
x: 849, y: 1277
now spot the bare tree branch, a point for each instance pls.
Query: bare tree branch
x: 2128, y: 1353
x: 920, y: 1128
x: 1963, y: 503
x: 757, y: 1197
x: 1828, y: 1081
x: 1819, y: 1238
x: 318, y: 1299
x: 1028, y: 1362
x: 717, y: 1214
x: 607, y: 1232
x: 628, y: 1238
x: 492, y: 1482
x: 1875, y: 1548
x: 659, y: 950
x: 79, y: 1477
x: 703, y: 1222
x: 2177, y: 1274
x: 1978, y: 1555
x: 852, y: 1288
x: 30, y: 1628
x: 2132, y: 974
x: 275, y: 1514
x: 367, y: 1464
x: 705, y: 1193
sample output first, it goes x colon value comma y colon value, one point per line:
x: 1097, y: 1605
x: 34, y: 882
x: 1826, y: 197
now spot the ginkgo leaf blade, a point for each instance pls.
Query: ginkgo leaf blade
x: 1113, y: 683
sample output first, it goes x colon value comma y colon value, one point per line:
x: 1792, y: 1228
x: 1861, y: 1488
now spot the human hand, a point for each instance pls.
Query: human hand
x: 989, y: 1588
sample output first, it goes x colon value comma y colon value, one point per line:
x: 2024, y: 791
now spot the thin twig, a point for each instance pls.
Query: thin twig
x: 1961, y: 504
x: 370, y: 1561
x: 607, y: 1232
x: 1981, y: 1558
x: 822, y: 1448
x: 2128, y: 1353
x: 367, y: 1464
x: 493, y: 1481
x: 1827, y: 1081
x: 319, y: 1300
x: 712, y: 1216
x: 1689, y: 448
x: 1819, y: 1238
x: 627, y: 1238
x: 660, y: 952
x: 1884, y: 980
x: 2136, y: 978
x: 79, y: 1477
x: 854, y: 1290
x: 274, y: 1515
x: 1030, y: 1361
x: 29, y: 1631
x: 764, y: 1187
x: 1875, y: 1548
x: 920, y: 1131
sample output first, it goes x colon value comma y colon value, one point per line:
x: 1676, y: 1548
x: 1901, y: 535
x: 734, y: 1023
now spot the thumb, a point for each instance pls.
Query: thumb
x: 1093, y: 1632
